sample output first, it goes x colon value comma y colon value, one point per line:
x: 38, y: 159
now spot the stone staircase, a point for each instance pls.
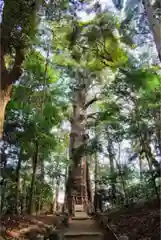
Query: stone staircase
x: 82, y: 227
x: 79, y: 208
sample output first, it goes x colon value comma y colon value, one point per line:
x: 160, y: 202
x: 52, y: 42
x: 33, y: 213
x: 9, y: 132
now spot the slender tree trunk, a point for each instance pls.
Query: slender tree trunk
x: 35, y: 161
x: 42, y: 176
x: 157, y: 117
x: 18, y: 169
x: 65, y: 188
x: 147, y: 149
x: 154, y: 23
x: 153, y: 179
x: 112, y: 168
x: 122, y: 181
x: 96, y: 170
x: 24, y: 197
x: 69, y: 197
x: 89, y: 190
x: 57, y: 191
x: 3, y: 182
x: 151, y: 162
x: 141, y: 169
x: 57, y: 184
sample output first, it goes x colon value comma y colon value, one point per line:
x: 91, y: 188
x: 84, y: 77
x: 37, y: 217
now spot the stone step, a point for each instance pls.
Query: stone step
x: 81, y: 218
x: 83, y: 235
x: 79, y: 208
x: 81, y: 215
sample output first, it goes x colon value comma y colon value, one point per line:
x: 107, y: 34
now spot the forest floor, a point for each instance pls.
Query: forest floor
x: 141, y: 222
x: 26, y: 227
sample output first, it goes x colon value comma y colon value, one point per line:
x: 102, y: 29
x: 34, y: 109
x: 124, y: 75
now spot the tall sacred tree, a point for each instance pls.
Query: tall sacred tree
x: 92, y: 47
x: 78, y: 183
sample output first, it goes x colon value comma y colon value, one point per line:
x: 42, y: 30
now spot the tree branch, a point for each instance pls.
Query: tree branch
x: 3, y: 69
x: 92, y: 115
x: 16, y: 71
x: 91, y: 102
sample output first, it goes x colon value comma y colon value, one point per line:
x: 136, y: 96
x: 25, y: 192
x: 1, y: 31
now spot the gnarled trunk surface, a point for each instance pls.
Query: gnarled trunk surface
x: 4, y: 99
x: 76, y: 184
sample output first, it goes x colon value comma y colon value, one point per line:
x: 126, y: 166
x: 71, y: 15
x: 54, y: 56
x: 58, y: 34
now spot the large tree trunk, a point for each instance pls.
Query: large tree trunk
x: 78, y: 140
x: 8, y: 77
x: 4, y: 99
x: 13, y: 40
x: 76, y: 186
x: 154, y: 23
x: 31, y: 194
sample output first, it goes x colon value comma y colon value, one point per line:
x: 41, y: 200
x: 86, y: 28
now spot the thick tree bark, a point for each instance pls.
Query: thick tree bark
x: 4, y: 99
x: 8, y: 76
x: 77, y: 146
x: 154, y: 25
x: 31, y: 194
x: 13, y: 41
x: 77, y: 179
